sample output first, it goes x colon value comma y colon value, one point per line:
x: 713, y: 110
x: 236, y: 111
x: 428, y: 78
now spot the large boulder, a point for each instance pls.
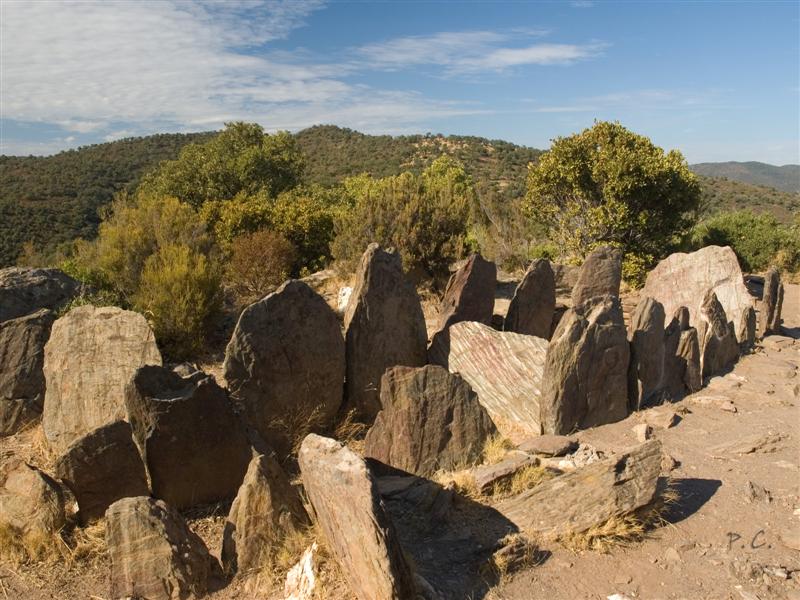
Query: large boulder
x: 91, y: 355
x: 195, y: 448
x: 771, y: 304
x: 646, y: 369
x: 719, y: 349
x: 681, y: 357
x: 431, y: 420
x: 267, y: 510
x: 31, y: 503
x: 102, y: 467
x: 534, y: 302
x: 600, y: 275
x: 22, y: 383
x: 585, y: 378
x: 588, y: 496
x: 25, y: 290
x: 153, y: 553
x: 284, y: 364
x: 469, y: 295
x: 384, y: 326
x: 683, y: 280
x: 352, y: 517
x: 503, y: 368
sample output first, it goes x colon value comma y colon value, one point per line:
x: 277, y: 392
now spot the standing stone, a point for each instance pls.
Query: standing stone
x: 285, y: 364
x: 469, y: 295
x: 503, y: 368
x: 266, y: 510
x: 90, y: 356
x: 681, y: 357
x: 534, y: 302
x: 719, y: 349
x: 153, y: 553
x: 385, y: 327
x: 683, y: 280
x: 102, y: 467
x: 646, y: 369
x: 431, y: 420
x: 600, y: 275
x: 746, y: 333
x: 22, y: 384
x: 585, y: 379
x: 194, y: 447
x: 771, y: 304
x: 31, y: 503
x: 351, y: 514
x: 24, y: 291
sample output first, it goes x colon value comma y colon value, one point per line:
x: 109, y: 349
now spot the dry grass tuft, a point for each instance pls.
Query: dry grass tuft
x: 351, y: 432
x: 624, y: 530
x: 18, y: 548
x: 524, y: 479
x: 463, y: 482
x: 495, y: 449
x: 88, y: 545
x: 516, y: 553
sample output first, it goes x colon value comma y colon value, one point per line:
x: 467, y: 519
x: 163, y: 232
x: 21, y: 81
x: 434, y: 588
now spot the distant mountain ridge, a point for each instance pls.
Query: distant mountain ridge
x: 785, y: 178
x: 53, y: 199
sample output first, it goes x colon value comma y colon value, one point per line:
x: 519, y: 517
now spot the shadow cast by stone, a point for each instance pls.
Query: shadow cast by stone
x: 692, y: 495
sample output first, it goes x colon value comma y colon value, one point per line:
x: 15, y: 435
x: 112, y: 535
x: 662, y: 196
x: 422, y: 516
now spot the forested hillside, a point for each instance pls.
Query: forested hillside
x: 49, y: 200
x: 785, y: 178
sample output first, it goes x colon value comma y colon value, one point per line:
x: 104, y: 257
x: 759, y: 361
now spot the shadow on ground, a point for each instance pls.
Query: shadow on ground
x: 692, y: 495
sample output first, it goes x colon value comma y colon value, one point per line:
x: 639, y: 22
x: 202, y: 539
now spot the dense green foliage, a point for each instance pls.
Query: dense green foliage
x: 608, y: 185
x: 424, y: 216
x: 759, y: 240
x: 785, y: 178
x: 258, y: 263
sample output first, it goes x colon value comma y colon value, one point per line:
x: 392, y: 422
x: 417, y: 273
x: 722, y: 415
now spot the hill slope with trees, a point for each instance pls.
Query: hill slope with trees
x: 785, y: 178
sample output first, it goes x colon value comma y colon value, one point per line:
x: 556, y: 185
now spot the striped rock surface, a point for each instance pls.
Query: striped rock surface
x: 504, y: 368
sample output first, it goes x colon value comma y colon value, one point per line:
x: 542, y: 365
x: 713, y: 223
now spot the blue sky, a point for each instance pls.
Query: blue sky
x: 719, y: 81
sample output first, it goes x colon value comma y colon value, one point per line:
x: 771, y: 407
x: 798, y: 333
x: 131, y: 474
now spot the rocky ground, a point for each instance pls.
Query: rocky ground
x: 733, y: 533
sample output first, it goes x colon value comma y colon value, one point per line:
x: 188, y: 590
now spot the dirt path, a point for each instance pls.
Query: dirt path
x: 726, y: 539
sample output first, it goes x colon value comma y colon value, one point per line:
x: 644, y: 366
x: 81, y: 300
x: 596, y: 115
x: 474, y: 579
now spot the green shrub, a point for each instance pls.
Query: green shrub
x: 258, y: 263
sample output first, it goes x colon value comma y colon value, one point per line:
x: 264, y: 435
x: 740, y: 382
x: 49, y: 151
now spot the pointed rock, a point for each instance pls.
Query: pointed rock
x: 431, y: 420
x: 681, y: 357
x: 154, y: 555
x: 102, y: 467
x: 469, y: 295
x: 600, y: 275
x: 771, y: 304
x: 195, y: 449
x: 284, y: 364
x: 746, y: 333
x: 385, y: 327
x: 266, y: 510
x: 719, y: 349
x: 585, y: 379
x: 91, y: 355
x: 503, y: 368
x: 350, y: 513
x: 646, y: 369
x: 533, y: 305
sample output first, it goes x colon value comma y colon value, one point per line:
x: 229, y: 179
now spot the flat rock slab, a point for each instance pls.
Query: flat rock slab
x: 153, y: 553
x: 431, y: 420
x: 549, y: 445
x: 486, y: 476
x: 195, y: 448
x: 504, y: 368
x: 25, y: 290
x: 91, y: 355
x: 589, y: 496
x: 22, y: 382
x: 683, y: 279
x: 102, y: 467
x: 350, y: 513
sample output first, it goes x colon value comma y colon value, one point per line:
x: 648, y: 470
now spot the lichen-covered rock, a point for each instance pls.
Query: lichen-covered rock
x: 431, y: 420
x: 585, y: 378
x: 102, y: 467
x: 600, y: 275
x: 153, y: 553
x: 385, y: 328
x: 25, y: 290
x: 195, y: 448
x: 350, y: 513
x: 31, y: 503
x: 771, y: 304
x: 503, y: 368
x: 91, y: 355
x: 719, y: 349
x: 534, y: 302
x: 266, y: 510
x: 22, y: 382
x: 683, y: 280
x: 646, y: 368
x: 285, y: 364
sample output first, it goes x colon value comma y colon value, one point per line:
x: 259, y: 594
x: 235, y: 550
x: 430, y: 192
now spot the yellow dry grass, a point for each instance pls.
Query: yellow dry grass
x: 351, y: 432
x: 503, y: 564
x: 19, y: 548
x: 524, y: 479
x: 462, y: 481
x: 495, y: 449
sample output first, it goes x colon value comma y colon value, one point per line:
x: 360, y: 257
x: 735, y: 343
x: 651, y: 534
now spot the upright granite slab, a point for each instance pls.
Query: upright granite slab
x: 600, y: 275
x: 769, y: 322
x: 533, y: 305
x: 646, y: 369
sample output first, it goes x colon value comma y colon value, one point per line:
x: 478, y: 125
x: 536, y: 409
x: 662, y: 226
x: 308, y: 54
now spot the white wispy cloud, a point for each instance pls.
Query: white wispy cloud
x: 466, y: 52
x: 647, y: 99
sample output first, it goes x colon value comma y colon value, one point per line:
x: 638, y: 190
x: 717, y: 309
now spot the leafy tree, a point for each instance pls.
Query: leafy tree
x: 608, y: 185
x: 258, y: 263
x: 240, y: 159
x: 424, y: 216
